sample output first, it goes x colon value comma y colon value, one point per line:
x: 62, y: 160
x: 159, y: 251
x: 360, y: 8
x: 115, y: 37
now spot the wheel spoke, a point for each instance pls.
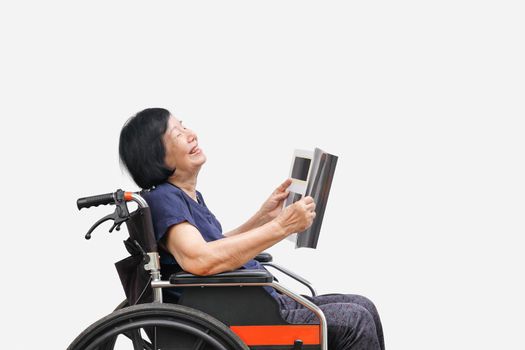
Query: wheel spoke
x: 155, y: 338
x: 199, y: 342
x: 136, y: 339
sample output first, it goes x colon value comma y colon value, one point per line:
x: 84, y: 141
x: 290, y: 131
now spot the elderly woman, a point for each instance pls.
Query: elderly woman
x: 163, y: 155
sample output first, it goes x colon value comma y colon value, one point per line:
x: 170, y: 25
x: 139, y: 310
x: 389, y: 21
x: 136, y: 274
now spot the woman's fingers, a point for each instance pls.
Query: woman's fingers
x: 308, y: 200
x: 283, y: 195
x: 298, y: 216
x: 308, y: 203
x: 282, y: 187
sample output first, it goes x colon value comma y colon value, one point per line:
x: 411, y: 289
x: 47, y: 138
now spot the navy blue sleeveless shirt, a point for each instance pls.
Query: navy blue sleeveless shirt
x: 171, y: 206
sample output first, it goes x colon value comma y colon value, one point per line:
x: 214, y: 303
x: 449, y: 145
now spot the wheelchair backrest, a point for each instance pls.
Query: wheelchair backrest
x: 134, y: 277
x: 140, y: 229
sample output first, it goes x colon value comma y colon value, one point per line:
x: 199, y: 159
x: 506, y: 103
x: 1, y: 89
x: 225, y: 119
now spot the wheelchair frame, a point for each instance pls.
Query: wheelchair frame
x: 121, y: 214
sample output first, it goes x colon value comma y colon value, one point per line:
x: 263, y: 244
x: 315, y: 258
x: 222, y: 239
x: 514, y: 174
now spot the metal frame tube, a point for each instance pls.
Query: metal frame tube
x: 157, y: 292
x: 294, y: 276
x: 137, y: 198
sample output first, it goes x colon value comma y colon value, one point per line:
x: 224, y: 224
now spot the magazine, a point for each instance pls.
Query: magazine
x: 312, y: 174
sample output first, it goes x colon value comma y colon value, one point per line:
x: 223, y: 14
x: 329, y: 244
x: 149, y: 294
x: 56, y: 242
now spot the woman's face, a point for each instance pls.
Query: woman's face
x: 182, y: 151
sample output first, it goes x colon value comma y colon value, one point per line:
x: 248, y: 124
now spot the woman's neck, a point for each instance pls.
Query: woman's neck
x: 186, y: 183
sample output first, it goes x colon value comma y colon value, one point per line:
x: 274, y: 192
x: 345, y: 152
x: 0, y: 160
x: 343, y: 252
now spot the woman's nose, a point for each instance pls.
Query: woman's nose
x: 192, y: 136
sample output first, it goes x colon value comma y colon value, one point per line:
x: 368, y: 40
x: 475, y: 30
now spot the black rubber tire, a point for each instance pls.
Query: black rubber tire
x: 110, y: 344
x: 103, y: 333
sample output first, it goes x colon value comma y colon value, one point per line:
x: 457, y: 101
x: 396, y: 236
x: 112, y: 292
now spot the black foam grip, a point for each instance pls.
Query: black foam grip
x: 94, y: 201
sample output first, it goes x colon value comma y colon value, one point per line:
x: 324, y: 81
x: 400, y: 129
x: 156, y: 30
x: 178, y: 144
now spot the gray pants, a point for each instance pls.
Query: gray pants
x: 353, y: 321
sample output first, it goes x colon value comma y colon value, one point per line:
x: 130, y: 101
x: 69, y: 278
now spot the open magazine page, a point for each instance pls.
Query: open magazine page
x: 312, y: 174
x: 316, y: 160
x: 299, y: 172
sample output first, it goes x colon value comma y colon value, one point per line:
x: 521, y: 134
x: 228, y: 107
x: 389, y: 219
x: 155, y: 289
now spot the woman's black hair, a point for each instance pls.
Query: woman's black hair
x: 141, y: 147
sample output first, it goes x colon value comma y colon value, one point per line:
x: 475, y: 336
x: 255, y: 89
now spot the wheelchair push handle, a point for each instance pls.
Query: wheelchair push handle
x: 101, y: 199
x: 95, y: 201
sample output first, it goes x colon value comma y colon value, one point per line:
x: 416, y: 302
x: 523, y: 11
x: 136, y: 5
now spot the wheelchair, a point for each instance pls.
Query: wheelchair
x: 226, y: 311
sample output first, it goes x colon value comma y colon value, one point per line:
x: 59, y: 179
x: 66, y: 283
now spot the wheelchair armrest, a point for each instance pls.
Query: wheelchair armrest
x: 264, y: 257
x: 238, y: 276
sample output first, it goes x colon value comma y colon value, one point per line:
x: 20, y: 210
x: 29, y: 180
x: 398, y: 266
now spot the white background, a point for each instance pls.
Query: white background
x: 422, y: 101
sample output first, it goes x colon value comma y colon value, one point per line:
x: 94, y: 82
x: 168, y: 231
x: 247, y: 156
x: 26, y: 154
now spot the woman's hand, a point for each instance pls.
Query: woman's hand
x: 298, y: 216
x: 272, y: 207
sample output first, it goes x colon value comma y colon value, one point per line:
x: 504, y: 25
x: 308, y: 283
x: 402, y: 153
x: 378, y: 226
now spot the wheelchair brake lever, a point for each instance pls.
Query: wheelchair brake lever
x: 104, y: 219
x: 120, y: 215
x: 115, y: 226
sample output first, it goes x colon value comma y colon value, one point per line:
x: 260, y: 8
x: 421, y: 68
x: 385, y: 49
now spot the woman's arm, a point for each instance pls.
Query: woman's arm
x: 269, y: 210
x: 199, y: 257
x: 257, y: 220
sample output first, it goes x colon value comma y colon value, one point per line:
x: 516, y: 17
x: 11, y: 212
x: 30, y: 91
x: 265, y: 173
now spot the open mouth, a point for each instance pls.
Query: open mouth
x: 195, y: 150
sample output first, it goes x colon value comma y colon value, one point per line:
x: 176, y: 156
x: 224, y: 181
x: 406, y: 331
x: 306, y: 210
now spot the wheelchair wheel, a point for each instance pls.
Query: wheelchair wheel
x: 157, y: 326
x: 122, y: 305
